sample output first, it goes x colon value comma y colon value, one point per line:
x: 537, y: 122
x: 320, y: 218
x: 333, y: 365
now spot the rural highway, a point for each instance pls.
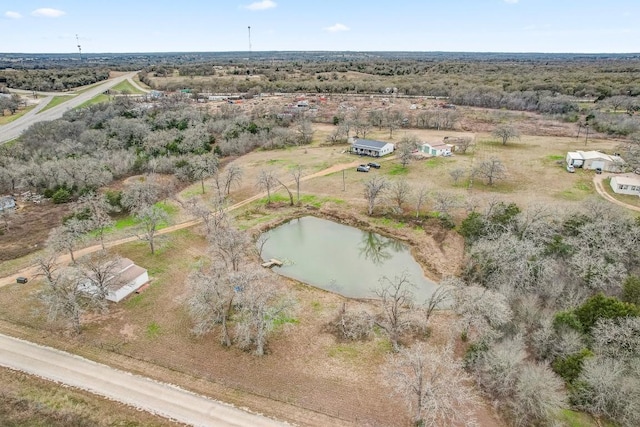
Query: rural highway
x: 14, y: 129
x: 162, y: 399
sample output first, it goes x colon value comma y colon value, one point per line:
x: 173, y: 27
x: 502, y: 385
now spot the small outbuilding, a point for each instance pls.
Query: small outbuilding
x: 127, y: 278
x: 7, y: 202
x: 436, y: 148
x: 625, y: 184
x: 595, y: 160
x: 370, y: 147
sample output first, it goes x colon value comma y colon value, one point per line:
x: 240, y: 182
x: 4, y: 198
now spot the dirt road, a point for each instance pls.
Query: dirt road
x: 32, y: 271
x: 158, y: 398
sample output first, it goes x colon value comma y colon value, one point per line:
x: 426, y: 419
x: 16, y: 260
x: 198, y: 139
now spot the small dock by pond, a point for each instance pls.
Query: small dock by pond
x: 272, y: 263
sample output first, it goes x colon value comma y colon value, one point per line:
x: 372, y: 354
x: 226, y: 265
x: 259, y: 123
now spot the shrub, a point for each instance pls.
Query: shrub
x: 62, y: 195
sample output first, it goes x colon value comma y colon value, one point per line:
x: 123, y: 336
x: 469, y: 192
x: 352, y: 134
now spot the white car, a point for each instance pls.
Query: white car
x: 571, y: 169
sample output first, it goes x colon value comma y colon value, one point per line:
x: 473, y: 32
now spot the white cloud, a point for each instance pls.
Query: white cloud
x: 511, y: 1
x: 336, y: 28
x: 12, y: 15
x: 261, y: 5
x: 48, y: 12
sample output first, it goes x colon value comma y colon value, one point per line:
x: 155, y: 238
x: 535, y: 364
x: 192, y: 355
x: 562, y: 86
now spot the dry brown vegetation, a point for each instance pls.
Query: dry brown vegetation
x: 29, y: 401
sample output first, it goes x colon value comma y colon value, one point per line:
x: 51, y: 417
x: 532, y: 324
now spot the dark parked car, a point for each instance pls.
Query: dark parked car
x: 22, y: 280
x: 598, y: 170
x: 374, y: 165
x: 363, y: 168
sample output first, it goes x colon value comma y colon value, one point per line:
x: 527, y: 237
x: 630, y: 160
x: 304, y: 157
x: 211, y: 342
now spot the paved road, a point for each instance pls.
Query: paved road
x: 14, y: 129
x: 162, y: 399
x: 597, y: 181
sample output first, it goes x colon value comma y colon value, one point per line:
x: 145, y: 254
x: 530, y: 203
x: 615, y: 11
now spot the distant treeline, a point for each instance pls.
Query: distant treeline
x: 53, y: 79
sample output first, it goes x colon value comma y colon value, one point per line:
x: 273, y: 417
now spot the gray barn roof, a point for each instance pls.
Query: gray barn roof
x: 369, y: 144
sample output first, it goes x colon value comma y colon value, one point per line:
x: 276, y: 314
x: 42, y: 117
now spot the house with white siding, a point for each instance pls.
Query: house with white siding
x: 370, y: 147
x: 625, y: 184
x: 436, y: 148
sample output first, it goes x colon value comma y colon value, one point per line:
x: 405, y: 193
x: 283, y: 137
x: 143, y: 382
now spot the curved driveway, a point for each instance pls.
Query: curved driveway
x: 14, y: 129
x: 597, y: 182
x: 162, y: 399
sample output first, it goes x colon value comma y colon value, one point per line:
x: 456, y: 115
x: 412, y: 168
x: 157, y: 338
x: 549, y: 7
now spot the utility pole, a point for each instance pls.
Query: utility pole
x: 586, y: 139
x: 249, y: 27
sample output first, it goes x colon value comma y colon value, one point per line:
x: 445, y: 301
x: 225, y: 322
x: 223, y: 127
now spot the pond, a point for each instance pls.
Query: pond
x: 342, y: 259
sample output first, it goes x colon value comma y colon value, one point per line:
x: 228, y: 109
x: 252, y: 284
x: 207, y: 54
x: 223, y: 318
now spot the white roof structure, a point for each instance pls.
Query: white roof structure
x: 627, y: 180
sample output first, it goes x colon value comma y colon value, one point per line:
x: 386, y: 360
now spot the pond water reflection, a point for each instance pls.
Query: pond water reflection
x: 342, y: 259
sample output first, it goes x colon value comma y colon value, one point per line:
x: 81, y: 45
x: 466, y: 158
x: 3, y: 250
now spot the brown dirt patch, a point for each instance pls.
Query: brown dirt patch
x: 29, y: 227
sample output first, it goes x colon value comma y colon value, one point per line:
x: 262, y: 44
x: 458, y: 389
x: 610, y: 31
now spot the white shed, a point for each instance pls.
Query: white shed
x: 625, y: 184
x: 127, y: 279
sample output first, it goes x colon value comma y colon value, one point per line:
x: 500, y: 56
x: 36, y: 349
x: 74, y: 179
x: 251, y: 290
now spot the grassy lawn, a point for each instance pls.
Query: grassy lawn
x: 126, y: 87
x: 95, y: 100
x: 8, y: 119
x: 57, y: 100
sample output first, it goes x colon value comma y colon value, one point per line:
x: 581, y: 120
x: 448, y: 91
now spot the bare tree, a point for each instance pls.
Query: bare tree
x: 65, y: 296
x: 98, y: 208
x: 444, y: 203
x: 100, y: 271
x: 396, y: 301
x: 463, y: 144
x: 611, y: 388
x: 47, y: 264
x: 506, y: 133
x: 305, y: 132
x: 231, y: 245
x: 456, y: 174
x: 538, y: 396
x: 399, y: 194
x: 481, y: 309
x: 150, y: 219
x: 267, y: 181
x: 373, y: 189
x: 362, y: 127
x: 392, y: 121
x: 212, y: 300
x: 261, y: 304
x: 288, y: 191
x: 433, y: 385
x: 67, y: 236
x: 203, y: 167
x: 491, y: 170
x: 406, y: 148
x: 223, y: 182
x: 352, y: 325
x: 141, y: 194
x: 296, y: 173
x: 421, y: 198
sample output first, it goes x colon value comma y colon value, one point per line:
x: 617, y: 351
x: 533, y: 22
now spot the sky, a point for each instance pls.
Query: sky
x: 566, y: 26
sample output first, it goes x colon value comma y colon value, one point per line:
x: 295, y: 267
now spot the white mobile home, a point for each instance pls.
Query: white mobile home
x: 626, y: 184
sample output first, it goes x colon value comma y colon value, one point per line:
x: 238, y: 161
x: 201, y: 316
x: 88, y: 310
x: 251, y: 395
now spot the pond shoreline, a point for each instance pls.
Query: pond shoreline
x: 434, y: 245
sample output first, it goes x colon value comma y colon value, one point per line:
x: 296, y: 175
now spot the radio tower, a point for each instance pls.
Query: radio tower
x: 79, y: 48
x: 249, y: 27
